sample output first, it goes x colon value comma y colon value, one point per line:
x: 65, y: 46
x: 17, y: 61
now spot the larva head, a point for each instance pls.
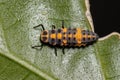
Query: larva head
x: 89, y: 36
x: 44, y: 36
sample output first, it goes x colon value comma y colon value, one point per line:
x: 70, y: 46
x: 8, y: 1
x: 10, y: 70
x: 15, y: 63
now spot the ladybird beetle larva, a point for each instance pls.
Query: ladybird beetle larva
x: 66, y: 37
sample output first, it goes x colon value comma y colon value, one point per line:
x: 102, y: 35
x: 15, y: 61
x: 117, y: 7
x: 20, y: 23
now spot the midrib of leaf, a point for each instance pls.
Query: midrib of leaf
x: 27, y: 65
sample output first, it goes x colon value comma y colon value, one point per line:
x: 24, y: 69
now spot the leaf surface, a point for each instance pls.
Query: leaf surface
x: 18, y: 61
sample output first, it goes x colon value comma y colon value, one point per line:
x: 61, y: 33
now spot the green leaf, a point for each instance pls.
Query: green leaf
x: 18, y: 61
